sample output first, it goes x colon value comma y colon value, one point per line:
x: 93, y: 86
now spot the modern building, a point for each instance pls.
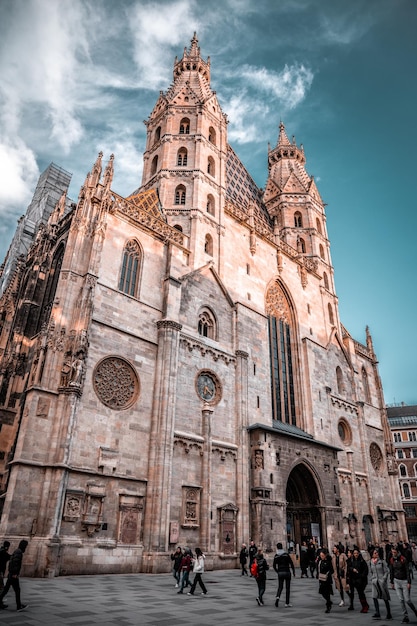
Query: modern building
x: 174, y: 369
x: 402, y: 420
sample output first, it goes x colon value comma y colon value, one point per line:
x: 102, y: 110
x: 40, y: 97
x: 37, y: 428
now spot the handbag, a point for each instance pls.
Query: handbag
x: 322, y: 577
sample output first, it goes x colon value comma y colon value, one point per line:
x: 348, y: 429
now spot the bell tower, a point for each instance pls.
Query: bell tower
x: 185, y: 157
x: 294, y: 202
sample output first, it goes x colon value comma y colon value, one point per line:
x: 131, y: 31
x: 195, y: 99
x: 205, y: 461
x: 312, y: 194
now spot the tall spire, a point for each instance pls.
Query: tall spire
x: 282, y: 136
x: 192, y: 61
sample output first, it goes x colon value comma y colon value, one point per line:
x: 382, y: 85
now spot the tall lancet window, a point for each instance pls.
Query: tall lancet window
x: 129, y: 274
x: 281, y: 342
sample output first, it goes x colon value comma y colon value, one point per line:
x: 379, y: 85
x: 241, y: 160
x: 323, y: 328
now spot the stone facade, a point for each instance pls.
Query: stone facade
x: 174, y: 369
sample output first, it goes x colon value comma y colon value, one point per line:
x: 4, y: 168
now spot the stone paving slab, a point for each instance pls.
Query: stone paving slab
x: 146, y: 599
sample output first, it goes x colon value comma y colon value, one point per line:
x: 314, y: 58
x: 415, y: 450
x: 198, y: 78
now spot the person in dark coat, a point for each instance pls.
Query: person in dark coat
x: 304, y: 559
x: 325, y: 576
x: 262, y: 567
x: 358, y: 579
x: 400, y: 578
x: 252, y: 553
x: 185, y: 569
x: 283, y: 564
x: 4, y: 559
x: 243, y: 558
x: 176, y: 558
x: 15, y: 565
x: 312, y: 559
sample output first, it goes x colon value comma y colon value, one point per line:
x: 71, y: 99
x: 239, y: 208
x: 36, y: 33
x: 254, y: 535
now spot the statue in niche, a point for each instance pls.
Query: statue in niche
x: 77, y: 370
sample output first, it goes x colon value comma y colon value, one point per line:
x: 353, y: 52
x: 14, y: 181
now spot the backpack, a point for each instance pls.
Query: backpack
x: 254, y: 569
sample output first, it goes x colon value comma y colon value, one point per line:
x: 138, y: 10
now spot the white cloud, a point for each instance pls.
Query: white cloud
x: 289, y: 86
x: 242, y: 112
x: 156, y: 27
x: 18, y: 167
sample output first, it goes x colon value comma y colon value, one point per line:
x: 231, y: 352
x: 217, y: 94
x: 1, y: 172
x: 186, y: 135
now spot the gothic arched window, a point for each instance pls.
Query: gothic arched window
x: 326, y: 280
x: 406, y: 490
x: 208, y: 245
x: 182, y: 157
x: 318, y: 226
x: 207, y: 324
x: 210, y: 166
x: 212, y: 135
x: 158, y: 134
x: 154, y: 165
x: 281, y: 337
x: 129, y: 275
x: 210, y: 204
x: 180, y: 195
x: 298, y: 219
x: 185, y: 126
x: 365, y: 384
x: 331, y: 316
x: 403, y: 470
x: 340, y: 381
x: 321, y: 251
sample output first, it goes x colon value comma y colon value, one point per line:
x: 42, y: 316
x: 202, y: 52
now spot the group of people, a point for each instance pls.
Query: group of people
x: 183, y: 562
x: 347, y: 569
x: 14, y: 561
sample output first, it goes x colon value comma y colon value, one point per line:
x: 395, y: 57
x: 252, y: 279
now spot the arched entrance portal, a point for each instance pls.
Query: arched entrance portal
x: 303, y: 502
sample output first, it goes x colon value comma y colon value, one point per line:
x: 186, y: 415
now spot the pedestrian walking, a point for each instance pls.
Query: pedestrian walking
x: 252, y: 554
x: 198, y: 570
x: 283, y: 564
x: 15, y: 564
x: 176, y: 558
x: 325, y: 573
x: 4, y: 559
x: 304, y: 559
x: 379, y: 579
x: 243, y: 558
x: 312, y: 559
x: 400, y: 579
x: 261, y: 569
x: 358, y: 579
x: 185, y: 568
x: 339, y: 563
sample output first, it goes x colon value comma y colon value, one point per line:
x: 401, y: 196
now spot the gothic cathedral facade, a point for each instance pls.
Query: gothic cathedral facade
x: 174, y: 369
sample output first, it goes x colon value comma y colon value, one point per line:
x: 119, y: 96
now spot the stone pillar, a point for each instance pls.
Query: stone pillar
x: 205, y: 535
x: 243, y: 453
x: 156, y: 530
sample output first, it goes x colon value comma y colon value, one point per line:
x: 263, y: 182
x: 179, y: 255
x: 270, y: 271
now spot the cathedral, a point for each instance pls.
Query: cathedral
x: 173, y: 367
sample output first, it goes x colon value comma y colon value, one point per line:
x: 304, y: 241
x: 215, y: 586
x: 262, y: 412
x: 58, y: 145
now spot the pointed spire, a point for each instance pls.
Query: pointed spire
x: 96, y: 173
x: 195, y: 49
x: 282, y: 137
x: 108, y: 173
x: 192, y: 61
x: 369, y: 342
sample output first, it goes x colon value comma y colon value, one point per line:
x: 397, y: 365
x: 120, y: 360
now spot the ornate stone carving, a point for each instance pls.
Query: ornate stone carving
x: 73, y: 506
x: 277, y: 304
x: 195, y: 344
x: 116, y: 383
x: 375, y: 454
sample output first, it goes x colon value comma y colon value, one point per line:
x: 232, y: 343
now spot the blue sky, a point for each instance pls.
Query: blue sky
x: 77, y: 77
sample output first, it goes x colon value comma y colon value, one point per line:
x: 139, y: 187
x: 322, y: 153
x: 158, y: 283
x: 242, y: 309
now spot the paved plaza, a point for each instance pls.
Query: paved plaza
x: 146, y: 599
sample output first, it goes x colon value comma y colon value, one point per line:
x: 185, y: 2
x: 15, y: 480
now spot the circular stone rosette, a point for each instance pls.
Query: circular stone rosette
x: 376, y: 456
x: 116, y: 383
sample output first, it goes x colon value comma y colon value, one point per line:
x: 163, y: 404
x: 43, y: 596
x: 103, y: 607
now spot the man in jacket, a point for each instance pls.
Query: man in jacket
x: 4, y: 559
x: 282, y: 564
x: 400, y: 578
x: 15, y: 565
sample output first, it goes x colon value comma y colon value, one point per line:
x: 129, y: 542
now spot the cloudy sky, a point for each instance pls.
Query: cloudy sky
x: 80, y: 76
